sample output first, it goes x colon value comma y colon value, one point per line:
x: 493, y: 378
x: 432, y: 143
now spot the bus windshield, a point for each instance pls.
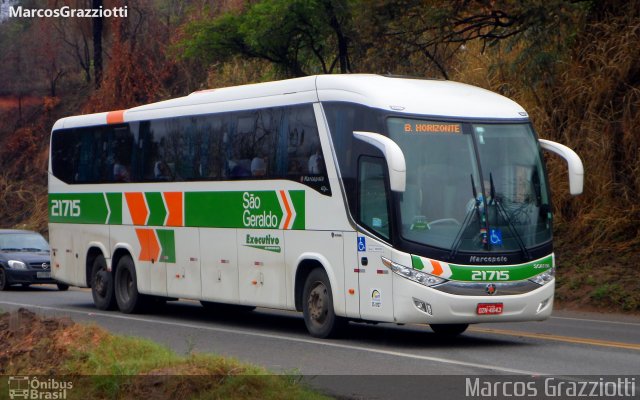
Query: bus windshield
x: 472, y: 187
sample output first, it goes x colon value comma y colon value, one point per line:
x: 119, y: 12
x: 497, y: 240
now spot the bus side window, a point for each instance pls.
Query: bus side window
x: 300, y: 155
x: 372, y: 196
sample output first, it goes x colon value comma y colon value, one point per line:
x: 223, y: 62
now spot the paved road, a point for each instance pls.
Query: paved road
x: 401, y: 359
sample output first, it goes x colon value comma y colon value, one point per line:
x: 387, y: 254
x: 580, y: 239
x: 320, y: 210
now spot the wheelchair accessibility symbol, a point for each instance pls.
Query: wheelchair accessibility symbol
x: 495, y: 236
x: 362, y: 245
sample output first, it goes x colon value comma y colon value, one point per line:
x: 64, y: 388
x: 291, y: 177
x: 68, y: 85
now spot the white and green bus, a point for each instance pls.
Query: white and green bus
x: 346, y: 197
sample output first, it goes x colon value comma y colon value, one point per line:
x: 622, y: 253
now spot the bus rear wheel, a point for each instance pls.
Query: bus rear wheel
x: 448, y: 330
x: 317, y: 306
x: 102, y: 285
x: 126, y: 287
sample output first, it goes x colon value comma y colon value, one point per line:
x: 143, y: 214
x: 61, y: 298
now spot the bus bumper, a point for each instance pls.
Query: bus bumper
x: 446, y: 308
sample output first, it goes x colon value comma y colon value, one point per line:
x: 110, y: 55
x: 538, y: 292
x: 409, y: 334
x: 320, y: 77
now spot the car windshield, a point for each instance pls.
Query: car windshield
x: 472, y: 187
x: 13, y: 242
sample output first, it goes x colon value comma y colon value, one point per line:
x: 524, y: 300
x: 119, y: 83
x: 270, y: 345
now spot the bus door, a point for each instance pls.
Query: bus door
x: 375, y: 280
x: 261, y: 267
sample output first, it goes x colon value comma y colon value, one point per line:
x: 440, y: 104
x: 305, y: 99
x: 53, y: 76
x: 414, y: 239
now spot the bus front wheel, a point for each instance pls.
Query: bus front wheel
x: 102, y: 285
x: 126, y: 287
x: 317, y: 306
x: 448, y: 330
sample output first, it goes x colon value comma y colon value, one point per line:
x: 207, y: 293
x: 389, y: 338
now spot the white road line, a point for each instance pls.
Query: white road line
x: 291, y: 339
x: 597, y: 320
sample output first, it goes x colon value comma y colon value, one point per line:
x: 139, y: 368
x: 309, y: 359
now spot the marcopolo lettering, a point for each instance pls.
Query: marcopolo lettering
x: 492, y: 260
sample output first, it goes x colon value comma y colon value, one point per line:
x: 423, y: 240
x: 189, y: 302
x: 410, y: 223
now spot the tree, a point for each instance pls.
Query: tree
x: 97, y: 44
x: 76, y: 34
x: 298, y: 36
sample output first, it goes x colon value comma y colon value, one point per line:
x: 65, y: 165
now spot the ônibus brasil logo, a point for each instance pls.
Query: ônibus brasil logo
x: 25, y: 387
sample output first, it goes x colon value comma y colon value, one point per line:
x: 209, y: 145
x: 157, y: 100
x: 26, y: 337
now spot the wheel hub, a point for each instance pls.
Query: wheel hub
x: 318, y: 303
x: 101, y: 283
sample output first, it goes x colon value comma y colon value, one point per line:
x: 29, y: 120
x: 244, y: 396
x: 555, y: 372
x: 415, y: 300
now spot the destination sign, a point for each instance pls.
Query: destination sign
x: 431, y: 127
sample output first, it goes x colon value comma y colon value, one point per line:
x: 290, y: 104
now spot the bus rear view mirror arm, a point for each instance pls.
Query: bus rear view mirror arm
x: 574, y: 163
x: 392, y: 153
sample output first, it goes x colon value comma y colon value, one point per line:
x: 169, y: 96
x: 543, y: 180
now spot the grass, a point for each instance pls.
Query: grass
x: 102, y: 365
x: 126, y: 367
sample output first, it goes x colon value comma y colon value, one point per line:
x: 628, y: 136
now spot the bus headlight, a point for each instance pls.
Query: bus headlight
x: 545, y: 277
x: 15, y: 264
x: 413, y: 274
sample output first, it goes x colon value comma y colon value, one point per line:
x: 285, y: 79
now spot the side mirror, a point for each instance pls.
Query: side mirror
x: 394, y: 156
x: 574, y: 163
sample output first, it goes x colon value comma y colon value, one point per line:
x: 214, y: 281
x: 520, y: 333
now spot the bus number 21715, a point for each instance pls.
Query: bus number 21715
x: 65, y: 208
x: 490, y: 275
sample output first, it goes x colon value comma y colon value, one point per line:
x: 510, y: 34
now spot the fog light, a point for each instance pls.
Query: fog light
x: 422, y: 306
x: 543, y: 305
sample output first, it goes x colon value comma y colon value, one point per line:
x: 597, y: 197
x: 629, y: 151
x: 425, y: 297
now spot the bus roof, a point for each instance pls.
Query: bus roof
x: 403, y: 95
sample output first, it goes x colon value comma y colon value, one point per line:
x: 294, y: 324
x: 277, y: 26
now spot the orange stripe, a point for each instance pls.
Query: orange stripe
x: 286, y: 206
x: 149, y: 246
x: 115, y: 117
x: 437, y: 268
x: 137, y: 208
x: 174, y: 208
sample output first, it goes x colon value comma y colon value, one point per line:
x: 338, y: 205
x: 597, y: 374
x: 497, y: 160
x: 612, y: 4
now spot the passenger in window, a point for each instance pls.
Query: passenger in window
x: 258, y: 167
x: 315, y: 163
x: 120, y: 171
x: 236, y: 170
x: 162, y: 171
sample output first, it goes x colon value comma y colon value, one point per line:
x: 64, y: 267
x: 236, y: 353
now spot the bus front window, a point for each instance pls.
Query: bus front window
x: 472, y: 187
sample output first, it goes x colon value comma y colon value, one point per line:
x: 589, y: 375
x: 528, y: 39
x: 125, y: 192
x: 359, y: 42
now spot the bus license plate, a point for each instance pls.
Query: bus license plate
x: 43, y: 275
x: 489, y: 309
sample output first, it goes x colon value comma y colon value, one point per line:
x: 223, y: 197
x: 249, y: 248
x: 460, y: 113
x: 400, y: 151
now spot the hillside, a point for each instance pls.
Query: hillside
x: 574, y: 65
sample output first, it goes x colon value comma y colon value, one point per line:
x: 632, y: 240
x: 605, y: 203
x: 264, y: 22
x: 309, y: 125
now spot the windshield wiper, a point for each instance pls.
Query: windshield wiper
x: 495, y: 199
x: 467, y: 220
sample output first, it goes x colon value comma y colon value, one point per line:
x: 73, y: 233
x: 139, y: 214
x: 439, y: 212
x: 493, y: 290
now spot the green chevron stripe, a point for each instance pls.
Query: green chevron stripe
x: 157, y: 210
x: 115, y: 205
x: 167, y: 241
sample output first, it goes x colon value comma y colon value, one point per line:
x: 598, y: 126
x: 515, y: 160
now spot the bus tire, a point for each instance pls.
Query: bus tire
x: 317, y: 306
x: 448, y: 330
x: 129, y: 300
x: 102, y: 285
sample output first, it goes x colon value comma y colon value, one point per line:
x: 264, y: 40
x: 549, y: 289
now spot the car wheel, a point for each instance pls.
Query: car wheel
x: 448, y: 330
x: 126, y: 287
x: 317, y: 306
x: 4, y: 284
x: 62, y: 287
x: 102, y: 285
